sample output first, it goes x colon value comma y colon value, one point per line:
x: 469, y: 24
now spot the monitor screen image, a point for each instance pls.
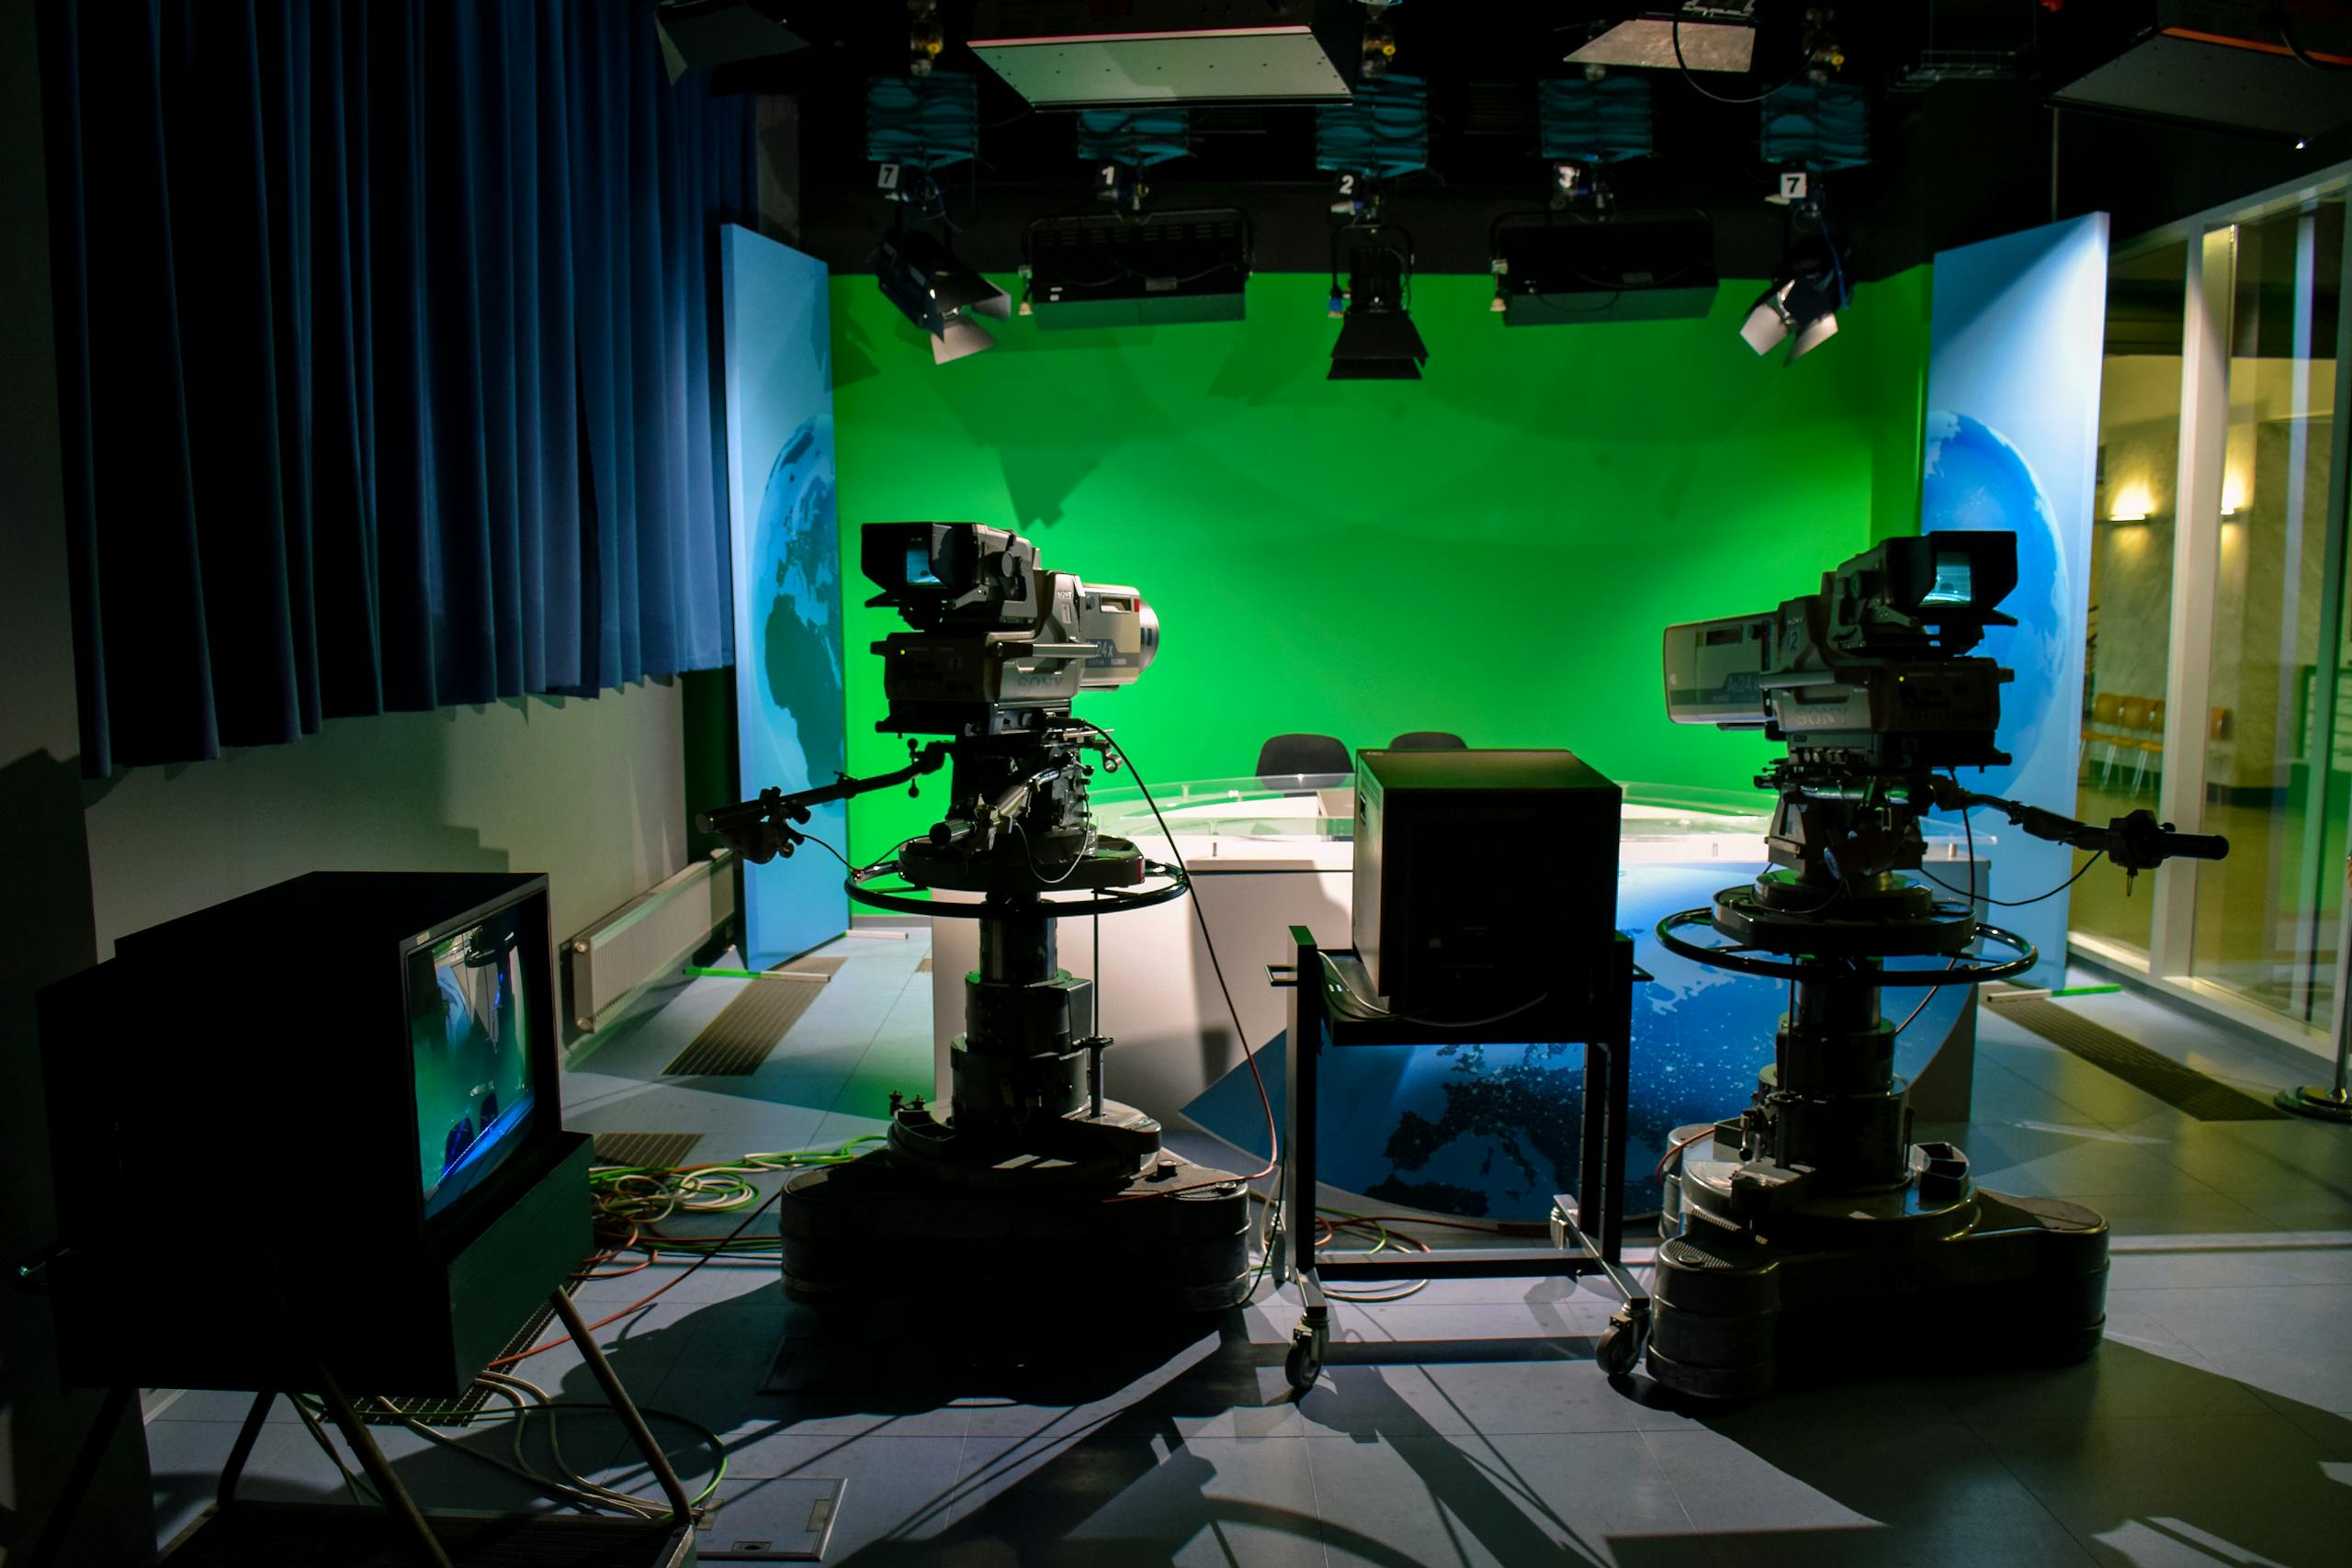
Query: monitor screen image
x: 468, y: 1034
x: 1952, y: 584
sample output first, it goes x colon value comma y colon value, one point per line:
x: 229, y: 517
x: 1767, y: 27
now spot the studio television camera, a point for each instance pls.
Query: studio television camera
x: 1812, y: 1227
x: 1032, y: 1166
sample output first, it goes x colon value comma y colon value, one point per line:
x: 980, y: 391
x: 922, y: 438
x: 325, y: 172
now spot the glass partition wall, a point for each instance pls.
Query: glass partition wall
x: 2217, y: 576
x: 2126, y: 649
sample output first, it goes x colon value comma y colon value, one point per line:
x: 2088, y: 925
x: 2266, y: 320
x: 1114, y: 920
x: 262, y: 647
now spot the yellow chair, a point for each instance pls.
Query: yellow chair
x: 2149, y: 742
x: 2106, y: 716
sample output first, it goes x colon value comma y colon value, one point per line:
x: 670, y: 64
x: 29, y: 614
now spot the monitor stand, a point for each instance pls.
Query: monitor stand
x: 248, y: 1533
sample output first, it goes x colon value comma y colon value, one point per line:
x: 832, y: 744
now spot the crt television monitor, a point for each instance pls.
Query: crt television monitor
x: 413, y: 1014
x: 471, y: 1034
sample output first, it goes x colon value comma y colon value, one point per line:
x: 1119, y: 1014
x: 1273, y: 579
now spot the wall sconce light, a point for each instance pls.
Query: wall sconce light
x: 2133, y: 504
x: 2233, y: 494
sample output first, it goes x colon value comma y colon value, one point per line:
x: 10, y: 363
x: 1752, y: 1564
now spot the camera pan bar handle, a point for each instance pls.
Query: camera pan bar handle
x: 762, y: 828
x: 2136, y: 842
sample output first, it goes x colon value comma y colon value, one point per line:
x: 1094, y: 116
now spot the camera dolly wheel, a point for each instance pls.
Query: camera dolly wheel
x: 1304, y: 1362
x: 1619, y: 1348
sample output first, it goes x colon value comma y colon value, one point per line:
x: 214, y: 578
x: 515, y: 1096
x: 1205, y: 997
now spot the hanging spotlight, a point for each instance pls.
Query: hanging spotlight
x: 1801, y: 305
x: 1808, y: 128
x: 1598, y: 263
x: 1815, y: 127
x: 938, y: 293
x: 1121, y: 145
x: 1379, y: 42
x: 924, y: 39
x: 1381, y: 134
x: 705, y: 34
x: 916, y: 125
x: 1377, y: 339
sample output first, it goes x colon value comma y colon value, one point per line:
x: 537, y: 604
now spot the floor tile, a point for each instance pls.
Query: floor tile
x: 2283, y: 1339
x: 1925, y: 1495
x: 2194, y: 1216
x: 2075, y: 1162
x: 1999, y: 1093
x: 184, y: 1459
x: 2139, y: 1369
x: 1900, y: 1399
x: 1561, y: 1327
x: 1208, y: 1501
x: 214, y: 1404
x: 2242, y: 1158
x: 2185, y: 1490
x: 2332, y: 1429
x: 1599, y: 1498
x: 1369, y: 1400
x: 2228, y: 1260
x: 1553, y: 1395
x: 2314, y: 1207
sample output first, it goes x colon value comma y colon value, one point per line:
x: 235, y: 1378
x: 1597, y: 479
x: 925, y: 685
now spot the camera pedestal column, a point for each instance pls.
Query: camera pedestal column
x: 1819, y: 1235
x: 1027, y: 1075
x: 1033, y: 1173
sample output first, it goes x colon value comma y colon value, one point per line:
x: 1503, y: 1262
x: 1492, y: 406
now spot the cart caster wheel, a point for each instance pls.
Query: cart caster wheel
x: 1304, y: 1362
x: 1619, y: 1348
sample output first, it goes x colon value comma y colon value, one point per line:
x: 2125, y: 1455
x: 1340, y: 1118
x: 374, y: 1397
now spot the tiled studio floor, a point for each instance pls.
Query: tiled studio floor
x: 1467, y: 1424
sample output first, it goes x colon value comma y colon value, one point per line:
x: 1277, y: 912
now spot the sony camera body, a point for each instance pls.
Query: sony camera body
x: 1871, y: 676
x: 999, y: 645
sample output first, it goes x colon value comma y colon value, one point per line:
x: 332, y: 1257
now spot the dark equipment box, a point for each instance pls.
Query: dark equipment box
x: 1484, y: 876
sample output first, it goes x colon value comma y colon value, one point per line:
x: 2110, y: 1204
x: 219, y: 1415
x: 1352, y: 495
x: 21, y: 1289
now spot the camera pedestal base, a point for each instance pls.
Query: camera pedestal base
x: 880, y: 1226
x: 1868, y: 1283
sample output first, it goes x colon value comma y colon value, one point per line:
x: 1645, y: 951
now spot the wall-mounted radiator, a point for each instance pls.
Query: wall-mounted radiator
x: 646, y: 939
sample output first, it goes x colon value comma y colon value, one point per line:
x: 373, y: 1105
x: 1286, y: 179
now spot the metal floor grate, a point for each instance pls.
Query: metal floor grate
x: 734, y: 1044
x: 646, y: 1151
x: 387, y: 1410
x: 2151, y: 1072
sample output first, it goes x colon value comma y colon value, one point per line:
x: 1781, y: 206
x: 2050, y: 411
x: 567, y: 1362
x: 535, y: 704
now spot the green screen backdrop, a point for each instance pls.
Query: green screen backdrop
x: 1491, y: 550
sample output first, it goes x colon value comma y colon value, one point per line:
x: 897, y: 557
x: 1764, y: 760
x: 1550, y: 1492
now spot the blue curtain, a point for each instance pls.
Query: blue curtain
x: 385, y: 340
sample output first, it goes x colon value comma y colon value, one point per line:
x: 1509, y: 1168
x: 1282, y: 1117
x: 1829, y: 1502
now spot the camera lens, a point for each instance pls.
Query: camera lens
x: 1148, y: 619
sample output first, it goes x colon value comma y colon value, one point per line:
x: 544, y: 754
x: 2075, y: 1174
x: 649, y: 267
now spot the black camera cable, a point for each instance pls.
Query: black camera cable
x: 1248, y: 1050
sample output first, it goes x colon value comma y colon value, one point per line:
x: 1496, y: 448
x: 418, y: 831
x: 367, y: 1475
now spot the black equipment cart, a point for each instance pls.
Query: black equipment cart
x: 1332, y: 1007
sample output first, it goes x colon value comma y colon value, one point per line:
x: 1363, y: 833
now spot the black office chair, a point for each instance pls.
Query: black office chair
x: 1296, y: 754
x: 1428, y: 741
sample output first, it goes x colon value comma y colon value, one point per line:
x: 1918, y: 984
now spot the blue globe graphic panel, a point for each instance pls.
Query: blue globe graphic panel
x: 791, y: 722
x: 2016, y: 347
x: 1975, y: 478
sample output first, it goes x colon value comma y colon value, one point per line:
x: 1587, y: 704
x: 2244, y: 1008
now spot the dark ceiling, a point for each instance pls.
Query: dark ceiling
x: 1953, y: 160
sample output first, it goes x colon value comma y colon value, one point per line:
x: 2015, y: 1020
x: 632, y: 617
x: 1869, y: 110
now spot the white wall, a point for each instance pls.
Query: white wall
x: 590, y: 792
